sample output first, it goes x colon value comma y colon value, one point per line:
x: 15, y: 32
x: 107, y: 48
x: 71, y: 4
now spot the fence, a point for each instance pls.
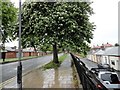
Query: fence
x: 88, y: 80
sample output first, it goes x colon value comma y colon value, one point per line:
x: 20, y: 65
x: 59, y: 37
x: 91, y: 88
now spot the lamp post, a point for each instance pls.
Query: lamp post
x: 19, y: 68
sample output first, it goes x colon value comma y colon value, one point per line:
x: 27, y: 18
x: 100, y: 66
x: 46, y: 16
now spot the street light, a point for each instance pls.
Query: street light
x: 19, y: 68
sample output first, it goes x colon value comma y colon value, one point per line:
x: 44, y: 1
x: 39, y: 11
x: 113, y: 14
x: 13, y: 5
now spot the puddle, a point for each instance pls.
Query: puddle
x: 50, y: 78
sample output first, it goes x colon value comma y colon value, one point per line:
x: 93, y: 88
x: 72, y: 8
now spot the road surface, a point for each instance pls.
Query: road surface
x: 9, y: 70
x: 89, y: 64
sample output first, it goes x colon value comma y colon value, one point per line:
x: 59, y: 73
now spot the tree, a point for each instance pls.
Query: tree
x: 116, y: 44
x: 57, y: 24
x: 8, y: 16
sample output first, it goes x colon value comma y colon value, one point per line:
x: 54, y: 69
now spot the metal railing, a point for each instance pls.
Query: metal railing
x: 88, y: 80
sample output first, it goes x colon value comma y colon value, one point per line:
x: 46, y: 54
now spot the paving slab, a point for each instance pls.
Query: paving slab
x: 50, y: 78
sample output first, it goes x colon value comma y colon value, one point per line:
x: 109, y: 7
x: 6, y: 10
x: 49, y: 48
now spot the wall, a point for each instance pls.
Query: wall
x: 25, y: 54
x: 94, y: 58
x: 98, y: 58
x: 10, y: 55
x: 89, y: 57
x: 105, y: 60
x: 115, y: 62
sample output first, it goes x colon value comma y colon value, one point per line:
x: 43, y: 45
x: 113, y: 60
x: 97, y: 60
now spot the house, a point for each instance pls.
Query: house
x: 91, y: 55
x: 96, y: 53
x: 114, y: 57
x: 13, y: 52
x: 105, y: 57
x: 99, y: 56
x: 28, y: 52
x: 107, y: 54
x: 10, y: 52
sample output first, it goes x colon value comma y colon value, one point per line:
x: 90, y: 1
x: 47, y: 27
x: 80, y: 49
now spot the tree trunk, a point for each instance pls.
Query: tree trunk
x: 55, y: 53
x: 35, y: 50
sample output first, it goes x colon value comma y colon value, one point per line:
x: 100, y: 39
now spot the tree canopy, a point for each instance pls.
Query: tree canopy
x: 116, y: 44
x: 58, y: 24
x: 8, y: 17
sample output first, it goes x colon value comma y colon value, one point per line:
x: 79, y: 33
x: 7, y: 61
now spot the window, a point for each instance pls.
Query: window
x: 106, y: 77
x: 113, y: 62
x: 110, y: 77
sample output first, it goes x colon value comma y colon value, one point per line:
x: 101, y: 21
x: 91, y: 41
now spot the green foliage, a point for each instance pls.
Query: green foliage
x: 66, y: 23
x: 54, y: 65
x: 8, y: 17
x: 82, y: 55
x: 45, y: 47
x: 116, y: 44
x: 62, y: 58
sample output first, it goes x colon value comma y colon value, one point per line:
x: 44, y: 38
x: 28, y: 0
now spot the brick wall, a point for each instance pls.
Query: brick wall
x: 26, y: 54
x: 10, y: 55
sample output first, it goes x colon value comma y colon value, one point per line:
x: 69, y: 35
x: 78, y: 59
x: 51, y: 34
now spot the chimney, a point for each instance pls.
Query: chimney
x: 103, y: 47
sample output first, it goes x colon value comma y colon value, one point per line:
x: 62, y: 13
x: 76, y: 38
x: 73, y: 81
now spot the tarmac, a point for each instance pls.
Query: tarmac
x: 49, y: 78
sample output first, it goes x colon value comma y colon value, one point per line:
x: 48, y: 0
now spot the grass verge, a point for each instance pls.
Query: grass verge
x: 54, y: 65
x: 16, y: 59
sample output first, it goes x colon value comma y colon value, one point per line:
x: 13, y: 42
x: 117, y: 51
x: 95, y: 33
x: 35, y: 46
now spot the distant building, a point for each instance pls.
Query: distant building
x: 109, y: 55
x: 13, y: 52
x: 114, y: 57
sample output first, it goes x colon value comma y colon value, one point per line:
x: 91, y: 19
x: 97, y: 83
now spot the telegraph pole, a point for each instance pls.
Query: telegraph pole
x: 19, y: 68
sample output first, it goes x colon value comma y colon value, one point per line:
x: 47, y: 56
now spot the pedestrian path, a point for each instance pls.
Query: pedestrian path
x: 50, y: 78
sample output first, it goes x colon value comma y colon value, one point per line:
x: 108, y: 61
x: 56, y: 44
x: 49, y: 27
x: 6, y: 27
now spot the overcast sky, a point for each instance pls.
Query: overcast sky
x: 105, y: 19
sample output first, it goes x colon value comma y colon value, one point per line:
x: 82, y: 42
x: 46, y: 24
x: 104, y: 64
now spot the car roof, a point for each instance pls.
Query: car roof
x: 103, y: 72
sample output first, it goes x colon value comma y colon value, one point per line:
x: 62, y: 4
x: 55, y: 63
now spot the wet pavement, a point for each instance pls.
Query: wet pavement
x: 9, y: 70
x: 50, y: 78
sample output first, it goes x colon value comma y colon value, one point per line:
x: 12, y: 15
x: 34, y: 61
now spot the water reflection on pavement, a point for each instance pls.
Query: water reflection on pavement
x: 51, y: 78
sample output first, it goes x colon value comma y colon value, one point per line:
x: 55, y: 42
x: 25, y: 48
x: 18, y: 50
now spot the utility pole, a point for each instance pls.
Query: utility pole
x: 19, y: 68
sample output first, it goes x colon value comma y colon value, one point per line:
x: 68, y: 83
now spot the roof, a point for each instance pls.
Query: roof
x: 109, y: 51
x: 108, y: 45
x: 100, y: 52
x: 28, y: 50
x: 10, y: 49
x: 102, y: 46
x: 96, y: 47
x: 13, y: 49
x: 112, y: 51
x: 92, y: 51
x: 6, y: 49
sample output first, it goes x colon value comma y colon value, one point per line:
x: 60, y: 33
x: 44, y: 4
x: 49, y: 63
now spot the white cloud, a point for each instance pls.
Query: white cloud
x: 16, y: 2
x: 106, y: 20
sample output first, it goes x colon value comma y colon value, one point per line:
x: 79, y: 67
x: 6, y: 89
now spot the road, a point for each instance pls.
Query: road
x: 10, y: 70
x: 89, y: 64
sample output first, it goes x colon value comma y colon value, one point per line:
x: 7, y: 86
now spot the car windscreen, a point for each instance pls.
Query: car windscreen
x: 106, y: 77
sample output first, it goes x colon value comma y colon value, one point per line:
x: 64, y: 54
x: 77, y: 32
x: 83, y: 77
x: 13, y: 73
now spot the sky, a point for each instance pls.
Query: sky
x: 105, y: 19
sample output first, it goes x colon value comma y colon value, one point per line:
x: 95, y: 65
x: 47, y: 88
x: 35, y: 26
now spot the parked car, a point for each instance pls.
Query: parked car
x: 108, y: 77
x: 103, y: 65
